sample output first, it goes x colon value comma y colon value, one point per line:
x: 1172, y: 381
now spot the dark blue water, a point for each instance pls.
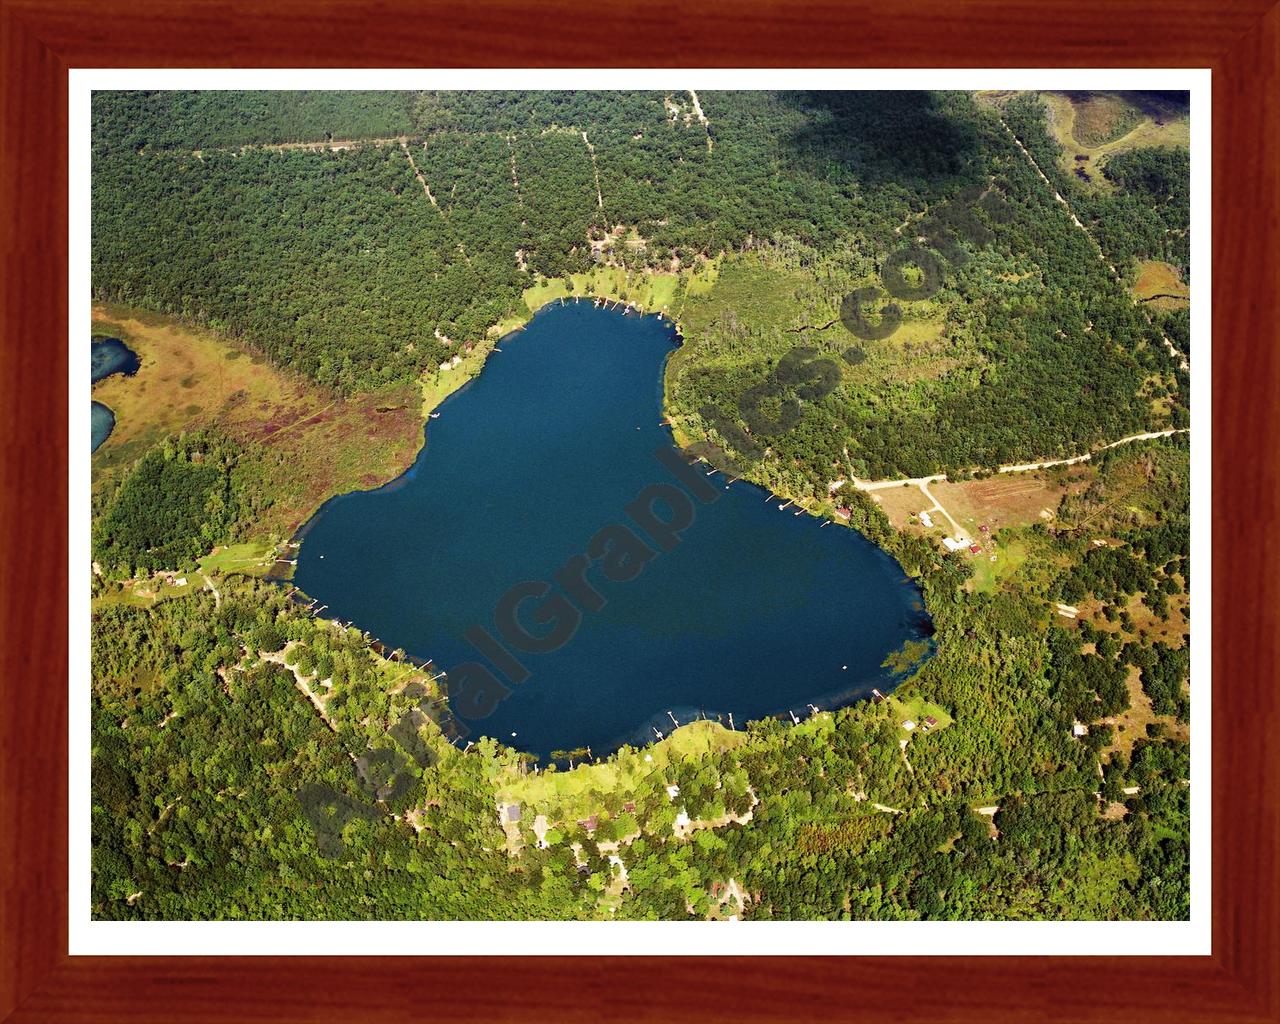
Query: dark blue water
x: 754, y: 612
x: 109, y: 355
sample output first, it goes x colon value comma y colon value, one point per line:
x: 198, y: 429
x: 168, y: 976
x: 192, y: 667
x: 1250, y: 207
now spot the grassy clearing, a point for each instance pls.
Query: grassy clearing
x: 1145, y: 624
x: 1008, y: 555
x: 1131, y: 726
x: 1102, y: 117
x: 651, y: 291
x: 1159, y: 286
x: 254, y: 558
x: 311, y: 444
x: 149, y: 591
x: 1086, y: 124
x: 562, y: 795
x: 914, y: 709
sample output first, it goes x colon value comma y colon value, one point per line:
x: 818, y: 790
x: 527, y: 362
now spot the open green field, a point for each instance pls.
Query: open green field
x: 996, y: 562
x: 254, y: 558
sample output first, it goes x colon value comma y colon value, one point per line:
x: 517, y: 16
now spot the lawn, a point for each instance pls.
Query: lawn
x: 1008, y: 556
x: 440, y: 384
x: 914, y: 709
x: 565, y: 794
x: 254, y: 558
x: 650, y: 291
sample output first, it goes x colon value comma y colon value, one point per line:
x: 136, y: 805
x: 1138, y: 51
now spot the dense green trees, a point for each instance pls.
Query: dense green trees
x: 202, y: 119
x: 179, y: 500
x: 337, y: 263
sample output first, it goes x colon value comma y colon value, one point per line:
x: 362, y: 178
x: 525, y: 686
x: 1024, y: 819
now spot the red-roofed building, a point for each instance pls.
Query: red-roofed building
x: 974, y: 549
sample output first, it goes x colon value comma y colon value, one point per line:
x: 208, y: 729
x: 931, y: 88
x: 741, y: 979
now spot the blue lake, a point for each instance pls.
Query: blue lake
x: 753, y: 611
x: 108, y: 356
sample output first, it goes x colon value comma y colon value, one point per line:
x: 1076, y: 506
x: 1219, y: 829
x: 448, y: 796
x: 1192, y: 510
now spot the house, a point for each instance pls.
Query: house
x: 629, y: 806
x: 591, y: 823
x: 843, y: 512
x: 1079, y: 729
x: 908, y: 725
x: 930, y: 722
x: 952, y: 545
x: 926, y: 519
x: 974, y: 549
x: 513, y: 812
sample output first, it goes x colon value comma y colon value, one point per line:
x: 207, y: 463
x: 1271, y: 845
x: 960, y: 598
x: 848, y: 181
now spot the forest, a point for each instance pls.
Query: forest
x: 241, y: 744
x: 205, y: 753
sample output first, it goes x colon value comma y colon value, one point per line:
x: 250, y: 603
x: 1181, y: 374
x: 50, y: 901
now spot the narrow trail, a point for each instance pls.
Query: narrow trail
x: 418, y: 174
x: 319, y: 145
x: 217, y: 597
x: 515, y: 181
x: 937, y: 507
x: 269, y: 438
x: 302, y: 682
x: 702, y: 118
x: 1182, y: 360
x: 595, y: 169
x: 427, y: 189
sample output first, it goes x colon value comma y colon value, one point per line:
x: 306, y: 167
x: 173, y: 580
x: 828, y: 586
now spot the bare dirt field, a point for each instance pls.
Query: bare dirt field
x: 1011, y: 499
x: 900, y: 504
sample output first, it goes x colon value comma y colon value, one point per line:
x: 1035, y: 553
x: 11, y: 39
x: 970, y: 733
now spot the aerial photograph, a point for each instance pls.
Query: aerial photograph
x: 674, y: 505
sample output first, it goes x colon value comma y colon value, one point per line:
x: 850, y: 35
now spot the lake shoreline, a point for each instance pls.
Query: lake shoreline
x: 109, y: 357
x: 831, y: 698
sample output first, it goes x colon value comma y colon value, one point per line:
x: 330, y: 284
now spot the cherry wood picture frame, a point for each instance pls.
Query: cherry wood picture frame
x: 41, y: 39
